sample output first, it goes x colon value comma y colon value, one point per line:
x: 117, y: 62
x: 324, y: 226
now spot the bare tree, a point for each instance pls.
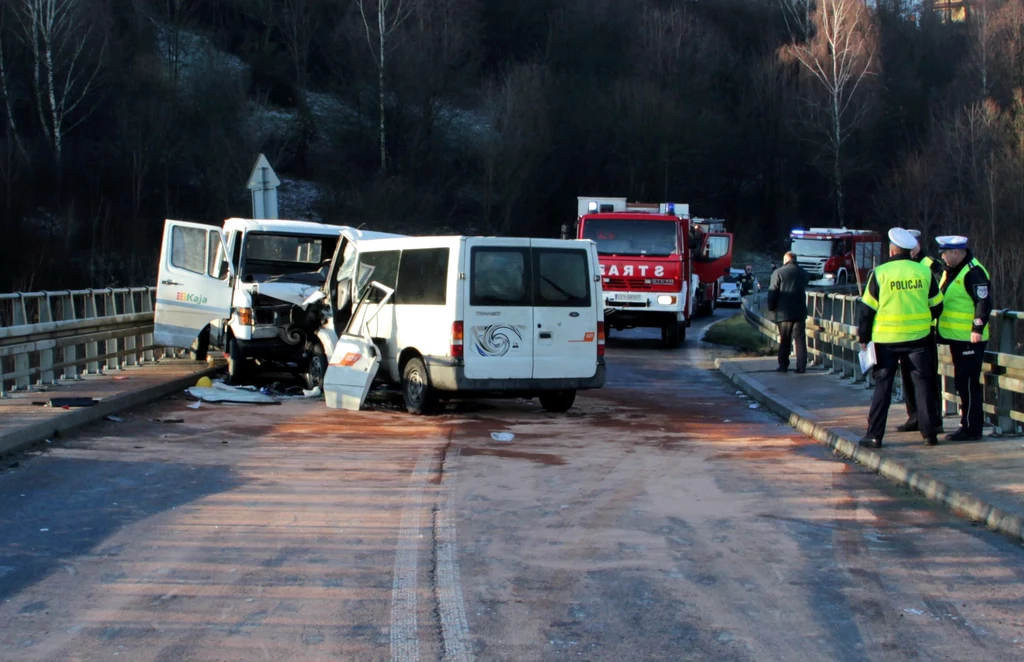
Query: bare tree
x: 298, y: 22
x: 12, y: 126
x: 381, y: 21
x: 838, y: 57
x: 57, y: 34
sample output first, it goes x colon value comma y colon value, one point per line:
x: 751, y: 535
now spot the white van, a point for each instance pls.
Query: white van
x: 474, y: 315
x: 245, y: 288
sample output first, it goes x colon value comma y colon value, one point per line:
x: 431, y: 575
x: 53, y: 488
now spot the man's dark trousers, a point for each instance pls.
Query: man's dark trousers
x: 910, y: 394
x: 791, y: 332
x: 967, y: 359
x: 889, y: 359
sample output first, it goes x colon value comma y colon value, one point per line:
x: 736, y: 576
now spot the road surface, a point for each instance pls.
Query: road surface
x: 662, y: 518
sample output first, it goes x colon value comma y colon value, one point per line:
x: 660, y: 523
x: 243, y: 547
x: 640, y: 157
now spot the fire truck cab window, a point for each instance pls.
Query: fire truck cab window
x: 632, y: 237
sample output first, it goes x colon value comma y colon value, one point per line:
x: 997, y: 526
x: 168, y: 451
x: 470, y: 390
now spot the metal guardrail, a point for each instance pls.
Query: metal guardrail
x: 46, y: 336
x: 833, y: 345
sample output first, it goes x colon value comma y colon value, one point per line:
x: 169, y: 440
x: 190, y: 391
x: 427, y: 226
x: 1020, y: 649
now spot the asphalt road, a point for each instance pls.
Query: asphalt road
x: 660, y: 519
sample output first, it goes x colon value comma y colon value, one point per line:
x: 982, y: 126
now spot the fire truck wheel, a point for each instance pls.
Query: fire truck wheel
x: 672, y: 334
x: 841, y: 280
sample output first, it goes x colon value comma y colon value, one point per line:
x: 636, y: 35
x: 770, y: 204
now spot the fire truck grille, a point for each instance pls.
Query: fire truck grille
x: 814, y: 267
x: 627, y: 284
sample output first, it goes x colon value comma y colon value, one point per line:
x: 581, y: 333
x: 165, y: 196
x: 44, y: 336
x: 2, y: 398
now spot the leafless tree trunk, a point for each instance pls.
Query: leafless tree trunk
x: 297, y: 22
x: 381, y: 20
x: 839, y: 56
x: 57, y: 34
x: 12, y: 126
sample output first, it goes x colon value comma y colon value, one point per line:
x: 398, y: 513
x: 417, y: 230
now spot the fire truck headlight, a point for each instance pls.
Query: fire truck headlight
x: 830, y: 276
x: 665, y: 300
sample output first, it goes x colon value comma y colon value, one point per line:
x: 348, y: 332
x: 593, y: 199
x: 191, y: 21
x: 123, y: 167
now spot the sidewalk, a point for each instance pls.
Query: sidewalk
x: 980, y: 480
x: 26, y: 420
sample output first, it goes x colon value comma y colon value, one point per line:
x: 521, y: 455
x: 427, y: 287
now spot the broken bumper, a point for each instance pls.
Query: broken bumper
x: 448, y: 374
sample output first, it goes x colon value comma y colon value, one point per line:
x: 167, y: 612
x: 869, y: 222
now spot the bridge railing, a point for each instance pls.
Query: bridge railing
x: 46, y: 336
x: 832, y: 344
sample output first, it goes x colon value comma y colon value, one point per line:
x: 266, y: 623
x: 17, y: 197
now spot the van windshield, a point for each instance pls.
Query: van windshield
x: 303, y: 258
x: 632, y: 237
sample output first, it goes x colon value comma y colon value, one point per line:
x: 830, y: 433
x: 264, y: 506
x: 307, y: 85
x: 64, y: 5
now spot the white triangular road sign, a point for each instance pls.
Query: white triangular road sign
x: 263, y: 176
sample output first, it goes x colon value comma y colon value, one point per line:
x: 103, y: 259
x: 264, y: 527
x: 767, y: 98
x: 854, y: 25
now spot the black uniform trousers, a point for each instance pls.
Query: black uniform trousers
x: 967, y: 359
x: 793, y: 331
x: 910, y: 394
x: 919, y: 362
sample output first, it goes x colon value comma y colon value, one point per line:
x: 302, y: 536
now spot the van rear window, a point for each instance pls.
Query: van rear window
x: 562, y: 278
x: 500, y: 277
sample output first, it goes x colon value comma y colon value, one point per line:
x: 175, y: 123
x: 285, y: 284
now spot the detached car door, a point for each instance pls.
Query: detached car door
x: 194, y: 283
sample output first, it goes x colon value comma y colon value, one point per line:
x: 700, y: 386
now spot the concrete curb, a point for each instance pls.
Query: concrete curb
x: 844, y: 442
x: 24, y: 438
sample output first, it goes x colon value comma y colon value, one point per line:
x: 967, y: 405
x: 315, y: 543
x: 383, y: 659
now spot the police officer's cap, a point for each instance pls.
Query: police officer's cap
x: 951, y: 242
x: 903, y: 239
x: 916, y: 234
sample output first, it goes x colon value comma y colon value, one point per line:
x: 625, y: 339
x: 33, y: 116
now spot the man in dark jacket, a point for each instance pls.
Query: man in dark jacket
x: 747, y: 281
x: 787, y: 298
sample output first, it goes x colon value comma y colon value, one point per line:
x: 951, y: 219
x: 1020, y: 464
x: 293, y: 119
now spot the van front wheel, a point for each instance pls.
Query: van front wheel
x: 419, y: 396
x: 557, y: 401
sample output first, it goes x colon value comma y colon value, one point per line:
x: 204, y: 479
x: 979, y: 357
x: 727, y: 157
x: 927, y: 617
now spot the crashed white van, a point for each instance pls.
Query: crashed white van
x: 450, y: 317
x: 244, y: 288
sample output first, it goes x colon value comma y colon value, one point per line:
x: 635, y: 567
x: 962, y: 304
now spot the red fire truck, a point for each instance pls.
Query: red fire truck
x: 659, y: 266
x: 828, y: 255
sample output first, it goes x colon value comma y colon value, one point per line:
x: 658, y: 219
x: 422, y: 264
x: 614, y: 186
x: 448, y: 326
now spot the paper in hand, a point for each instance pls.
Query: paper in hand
x: 867, y: 357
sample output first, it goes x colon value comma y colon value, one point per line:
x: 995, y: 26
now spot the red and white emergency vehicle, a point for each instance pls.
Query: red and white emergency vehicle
x: 658, y: 265
x: 828, y: 255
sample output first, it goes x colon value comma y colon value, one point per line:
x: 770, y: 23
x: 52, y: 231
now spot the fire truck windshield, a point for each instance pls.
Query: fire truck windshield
x: 632, y: 237
x: 812, y: 247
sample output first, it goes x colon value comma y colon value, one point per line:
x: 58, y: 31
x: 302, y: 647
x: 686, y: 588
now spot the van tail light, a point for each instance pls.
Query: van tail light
x: 600, y: 338
x: 457, y: 336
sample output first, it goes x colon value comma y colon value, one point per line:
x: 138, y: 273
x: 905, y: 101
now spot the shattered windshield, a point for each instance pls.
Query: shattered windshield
x: 631, y: 237
x: 295, y: 257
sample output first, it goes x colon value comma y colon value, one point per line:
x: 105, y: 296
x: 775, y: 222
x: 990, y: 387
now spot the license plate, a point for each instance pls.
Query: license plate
x: 627, y: 296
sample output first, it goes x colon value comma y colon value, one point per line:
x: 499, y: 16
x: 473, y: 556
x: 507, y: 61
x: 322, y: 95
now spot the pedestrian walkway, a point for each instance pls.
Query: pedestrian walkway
x: 980, y: 480
x: 27, y: 418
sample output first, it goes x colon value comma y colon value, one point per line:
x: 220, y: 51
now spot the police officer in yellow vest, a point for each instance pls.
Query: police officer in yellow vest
x: 900, y: 301
x: 967, y: 294
x: 909, y: 395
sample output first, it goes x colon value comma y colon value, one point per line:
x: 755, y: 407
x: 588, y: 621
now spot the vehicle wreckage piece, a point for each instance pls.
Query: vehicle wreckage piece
x: 355, y: 360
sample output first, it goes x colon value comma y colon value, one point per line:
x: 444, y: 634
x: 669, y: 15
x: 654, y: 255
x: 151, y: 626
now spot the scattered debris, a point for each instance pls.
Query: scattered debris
x: 116, y: 419
x: 916, y: 612
x: 67, y: 403
x: 168, y: 420
x: 502, y: 436
x: 139, y: 446
x: 196, y: 405
x: 44, y: 529
x: 121, y: 378
x: 728, y: 420
x: 753, y: 405
x: 221, y: 392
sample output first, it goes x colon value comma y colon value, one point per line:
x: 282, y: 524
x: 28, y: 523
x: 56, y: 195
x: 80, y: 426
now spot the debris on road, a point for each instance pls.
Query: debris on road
x: 502, y: 436
x: 116, y: 419
x: 168, y: 420
x: 754, y: 405
x: 195, y: 406
x: 221, y: 392
x: 67, y: 403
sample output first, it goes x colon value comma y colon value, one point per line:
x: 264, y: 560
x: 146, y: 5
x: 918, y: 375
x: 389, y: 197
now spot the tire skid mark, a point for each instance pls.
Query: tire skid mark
x: 405, y: 645
x: 452, y: 610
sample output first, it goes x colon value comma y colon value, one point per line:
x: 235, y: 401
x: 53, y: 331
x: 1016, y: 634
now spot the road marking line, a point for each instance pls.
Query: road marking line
x: 454, y: 627
x: 405, y: 643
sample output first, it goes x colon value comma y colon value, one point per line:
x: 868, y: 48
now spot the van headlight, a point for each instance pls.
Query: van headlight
x: 665, y: 300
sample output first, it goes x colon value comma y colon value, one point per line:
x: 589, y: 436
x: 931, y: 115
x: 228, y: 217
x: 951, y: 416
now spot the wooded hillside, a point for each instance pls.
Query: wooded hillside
x: 491, y: 116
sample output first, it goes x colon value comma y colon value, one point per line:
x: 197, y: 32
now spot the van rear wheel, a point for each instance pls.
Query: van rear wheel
x: 557, y: 401
x: 420, y: 397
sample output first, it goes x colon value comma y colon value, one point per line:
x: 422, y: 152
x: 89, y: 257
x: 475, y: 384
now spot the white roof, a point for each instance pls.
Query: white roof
x: 299, y: 227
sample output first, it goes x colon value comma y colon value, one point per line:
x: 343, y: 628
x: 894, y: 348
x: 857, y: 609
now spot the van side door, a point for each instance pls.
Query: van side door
x: 499, y: 328
x: 565, y: 310
x: 193, y: 283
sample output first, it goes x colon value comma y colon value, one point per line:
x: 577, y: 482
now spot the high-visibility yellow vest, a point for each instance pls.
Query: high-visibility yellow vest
x: 957, y: 318
x: 902, y: 307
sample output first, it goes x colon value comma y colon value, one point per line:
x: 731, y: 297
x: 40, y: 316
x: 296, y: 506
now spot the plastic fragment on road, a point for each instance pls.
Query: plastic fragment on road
x: 754, y: 405
x: 916, y: 612
x: 502, y: 436
x: 116, y: 419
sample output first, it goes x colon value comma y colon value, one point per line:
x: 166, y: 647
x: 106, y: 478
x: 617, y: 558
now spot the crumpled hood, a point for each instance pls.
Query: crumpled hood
x: 298, y: 294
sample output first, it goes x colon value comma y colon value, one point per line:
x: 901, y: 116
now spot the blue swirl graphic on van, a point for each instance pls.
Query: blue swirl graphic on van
x: 496, y: 340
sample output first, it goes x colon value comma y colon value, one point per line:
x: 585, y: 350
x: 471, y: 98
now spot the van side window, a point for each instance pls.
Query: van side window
x: 188, y: 249
x: 563, y: 277
x: 385, y: 271
x: 423, y: 277
x: 499, y: 277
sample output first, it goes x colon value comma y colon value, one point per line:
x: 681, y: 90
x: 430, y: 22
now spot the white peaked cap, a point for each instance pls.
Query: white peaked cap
x: 903, y: 238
